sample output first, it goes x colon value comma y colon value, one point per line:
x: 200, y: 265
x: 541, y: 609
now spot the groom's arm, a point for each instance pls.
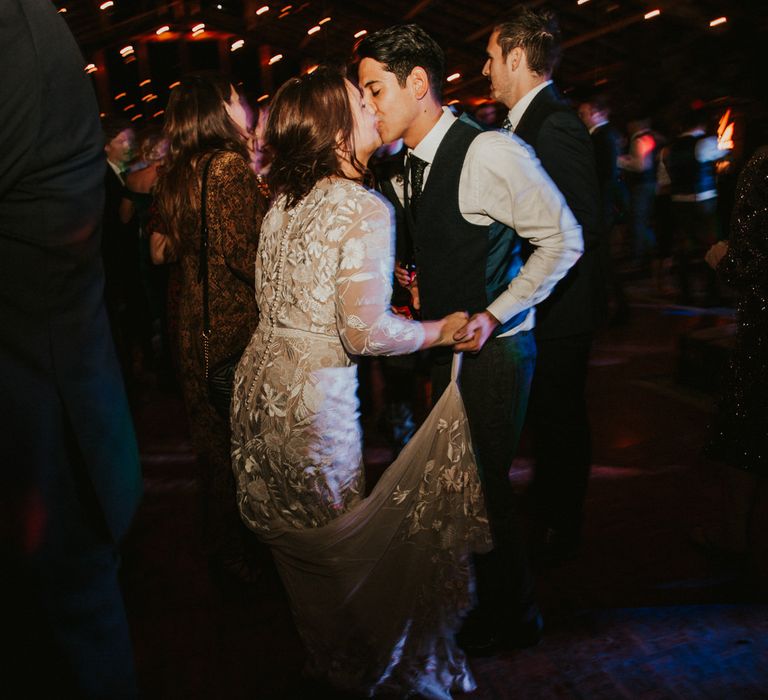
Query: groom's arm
x: 503, y: 180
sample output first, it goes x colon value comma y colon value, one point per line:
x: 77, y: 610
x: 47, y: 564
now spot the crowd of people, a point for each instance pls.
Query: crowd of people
x: 249, y: 256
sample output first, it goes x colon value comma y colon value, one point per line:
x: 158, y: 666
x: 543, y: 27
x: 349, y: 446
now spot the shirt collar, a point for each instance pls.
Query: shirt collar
x: 427, y: 147
x: 116, y: 169
x: 516, y: 113
x: 594, y: 128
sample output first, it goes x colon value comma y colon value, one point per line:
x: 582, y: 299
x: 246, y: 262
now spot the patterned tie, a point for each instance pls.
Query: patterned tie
x: 417, y: 166
x: 507, y: 125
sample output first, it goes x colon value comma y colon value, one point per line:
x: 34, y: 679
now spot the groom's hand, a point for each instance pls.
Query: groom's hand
x: 474, y: 334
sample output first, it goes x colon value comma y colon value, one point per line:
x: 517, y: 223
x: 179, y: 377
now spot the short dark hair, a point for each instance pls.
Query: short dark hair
x: 403, y: 47
x: 112, y: 125
x: 537, y: 32
x: 309, y: 116
x: 599, y: 102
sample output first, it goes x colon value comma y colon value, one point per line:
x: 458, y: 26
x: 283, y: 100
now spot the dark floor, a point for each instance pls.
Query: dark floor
x: 639, y: 613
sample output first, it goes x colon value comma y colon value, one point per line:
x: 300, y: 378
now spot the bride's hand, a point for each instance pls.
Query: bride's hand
x: 450, y: 324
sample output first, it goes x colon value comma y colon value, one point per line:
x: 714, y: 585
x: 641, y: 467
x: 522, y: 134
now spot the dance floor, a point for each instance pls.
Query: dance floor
x: 638, y: 613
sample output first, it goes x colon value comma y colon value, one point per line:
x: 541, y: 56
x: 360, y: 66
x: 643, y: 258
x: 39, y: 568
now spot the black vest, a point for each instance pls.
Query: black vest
x: 687, y: 175
x: 461, y: 266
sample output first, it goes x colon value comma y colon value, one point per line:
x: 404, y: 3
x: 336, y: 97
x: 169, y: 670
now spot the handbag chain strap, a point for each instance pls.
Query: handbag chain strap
x: 202, y: 267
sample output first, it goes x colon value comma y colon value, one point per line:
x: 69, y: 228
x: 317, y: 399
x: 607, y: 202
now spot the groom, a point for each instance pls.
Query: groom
x: 470, y: 198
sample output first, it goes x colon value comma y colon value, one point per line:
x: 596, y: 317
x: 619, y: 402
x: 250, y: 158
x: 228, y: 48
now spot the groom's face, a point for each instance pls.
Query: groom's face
x: 394, y: 106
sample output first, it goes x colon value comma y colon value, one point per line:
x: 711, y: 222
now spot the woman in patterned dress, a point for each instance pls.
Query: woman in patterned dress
x: 378, y: 584
x: 206, y: 122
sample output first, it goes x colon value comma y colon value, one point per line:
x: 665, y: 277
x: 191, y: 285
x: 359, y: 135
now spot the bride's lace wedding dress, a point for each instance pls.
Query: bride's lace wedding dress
x: 378, y: 585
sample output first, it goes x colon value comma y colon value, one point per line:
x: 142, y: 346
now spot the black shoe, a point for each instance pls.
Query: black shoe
x: 525, y: 634
x: 482, y: 636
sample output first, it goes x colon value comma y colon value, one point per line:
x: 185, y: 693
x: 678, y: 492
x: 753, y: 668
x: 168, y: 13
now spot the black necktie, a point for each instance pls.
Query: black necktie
x: 417, y: 166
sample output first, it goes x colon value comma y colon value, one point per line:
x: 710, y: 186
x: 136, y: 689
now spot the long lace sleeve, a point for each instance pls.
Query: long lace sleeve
x: 364, y: 287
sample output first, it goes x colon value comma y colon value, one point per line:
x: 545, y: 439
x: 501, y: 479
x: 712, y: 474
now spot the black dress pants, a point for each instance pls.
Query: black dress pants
x: 495, y: 384
x: 557, y: 418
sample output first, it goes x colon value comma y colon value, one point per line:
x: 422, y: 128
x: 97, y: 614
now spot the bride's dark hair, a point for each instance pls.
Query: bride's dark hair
x: 310, y: 121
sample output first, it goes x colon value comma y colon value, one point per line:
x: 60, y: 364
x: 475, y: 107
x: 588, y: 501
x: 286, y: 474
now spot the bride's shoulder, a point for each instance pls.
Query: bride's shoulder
x: 351, y: 194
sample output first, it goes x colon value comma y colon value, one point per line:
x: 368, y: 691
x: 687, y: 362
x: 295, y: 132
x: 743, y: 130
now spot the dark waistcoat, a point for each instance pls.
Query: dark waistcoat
x: 688, y: 175
x: 462, y: 266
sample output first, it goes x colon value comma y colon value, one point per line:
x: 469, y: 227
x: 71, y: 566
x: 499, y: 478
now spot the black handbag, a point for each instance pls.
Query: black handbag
x: 220, y: 377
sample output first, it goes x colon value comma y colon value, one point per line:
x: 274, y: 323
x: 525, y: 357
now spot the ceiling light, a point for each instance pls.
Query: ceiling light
x: 162, y: 30
x: 453, y: 76
x: 362, y: 32
x: 277, y: 57
x: 314, y: 30
x: 324, y: 20
x: 106, y: 5
x: 262, y: 10
x: 237, y: 45
x: 91, y: 68
x: 719, y: 20
x: 651, y: 14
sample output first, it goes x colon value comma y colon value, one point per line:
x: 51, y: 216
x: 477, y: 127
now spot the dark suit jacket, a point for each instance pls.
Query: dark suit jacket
x: 562, y: 144
x: 63, y: 402
x: 606, y: 144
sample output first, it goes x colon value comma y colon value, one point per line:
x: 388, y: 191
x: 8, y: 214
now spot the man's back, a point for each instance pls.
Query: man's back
x: 563, y: 147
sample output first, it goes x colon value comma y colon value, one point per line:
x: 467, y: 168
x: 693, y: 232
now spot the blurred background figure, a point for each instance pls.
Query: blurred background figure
x: 206, y: 127
x: 260, y: 157
x: 595, y: 113
x: 689, y: 161
x: 70, y: 478
x: 489, y: 115
x: 149, y: 295
x: 639, y: 172
x: 119, y: 244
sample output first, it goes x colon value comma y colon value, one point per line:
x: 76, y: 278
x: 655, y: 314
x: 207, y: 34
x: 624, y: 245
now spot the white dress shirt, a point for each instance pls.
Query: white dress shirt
x: 501, y: 180
x: 517, y: 112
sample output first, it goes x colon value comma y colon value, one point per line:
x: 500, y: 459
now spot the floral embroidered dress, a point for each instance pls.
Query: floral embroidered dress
x: 378, y: 585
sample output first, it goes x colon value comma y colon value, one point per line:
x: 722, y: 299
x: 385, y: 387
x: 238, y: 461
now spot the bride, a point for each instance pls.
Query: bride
x: 378, y: 585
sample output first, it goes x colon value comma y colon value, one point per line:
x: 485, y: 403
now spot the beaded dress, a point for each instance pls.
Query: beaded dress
x: 378, y: 585
x: 741, y: 430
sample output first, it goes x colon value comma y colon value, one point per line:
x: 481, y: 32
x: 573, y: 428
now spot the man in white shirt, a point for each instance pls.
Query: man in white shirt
x: 522, y: 53
x: 470, y: 199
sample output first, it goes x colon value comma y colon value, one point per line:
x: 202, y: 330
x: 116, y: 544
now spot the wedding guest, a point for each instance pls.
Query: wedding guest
x: 70, y: 478
x: 206, y: 125
x: 522, y: 51
x: 119, y: 244
x: 638, y: 166
x: 740, y: 438
x: 135, y: 209
x: 689, y: 161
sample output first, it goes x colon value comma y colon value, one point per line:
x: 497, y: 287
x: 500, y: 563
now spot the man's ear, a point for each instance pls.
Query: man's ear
x: 515, y: 58
x: 419, y: 82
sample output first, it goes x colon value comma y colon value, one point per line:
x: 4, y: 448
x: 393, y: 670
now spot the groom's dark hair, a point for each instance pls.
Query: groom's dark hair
x: 402, y: 48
